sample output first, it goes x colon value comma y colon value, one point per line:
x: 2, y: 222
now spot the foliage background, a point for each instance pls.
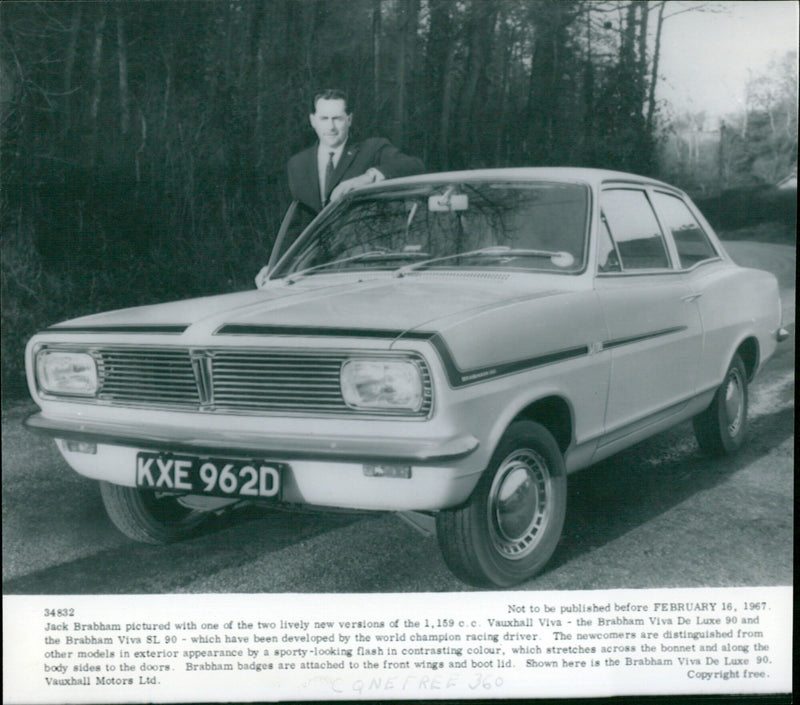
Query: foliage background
x: 144, y: 143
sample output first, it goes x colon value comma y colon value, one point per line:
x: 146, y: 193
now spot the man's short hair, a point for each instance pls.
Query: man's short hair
x: 331, y: 94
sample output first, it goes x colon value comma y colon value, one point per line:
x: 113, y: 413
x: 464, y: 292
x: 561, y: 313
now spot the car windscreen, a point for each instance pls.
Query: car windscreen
x: 510, y: 225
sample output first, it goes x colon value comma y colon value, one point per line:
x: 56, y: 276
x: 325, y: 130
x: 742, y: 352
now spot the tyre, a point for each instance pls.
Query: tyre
x: 511, y: 524
x: 720, y: 429
x: 149, y: 517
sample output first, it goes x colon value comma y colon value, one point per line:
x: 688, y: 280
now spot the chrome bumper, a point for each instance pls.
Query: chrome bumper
x: 307, y: 446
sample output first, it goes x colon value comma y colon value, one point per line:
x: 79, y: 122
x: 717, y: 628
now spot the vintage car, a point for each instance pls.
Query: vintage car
x: 447, y: 346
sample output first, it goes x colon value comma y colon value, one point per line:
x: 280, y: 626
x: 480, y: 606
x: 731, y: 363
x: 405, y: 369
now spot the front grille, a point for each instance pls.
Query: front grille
x: 246, y: 381
x: 276, y: 381
x: 146, y: 376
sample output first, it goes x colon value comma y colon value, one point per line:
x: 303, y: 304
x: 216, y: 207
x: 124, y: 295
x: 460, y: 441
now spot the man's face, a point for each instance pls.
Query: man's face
x: 331, y: 122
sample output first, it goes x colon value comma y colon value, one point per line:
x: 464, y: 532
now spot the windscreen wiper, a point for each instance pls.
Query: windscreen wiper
x: 559, y: 258
x: 378, y: 254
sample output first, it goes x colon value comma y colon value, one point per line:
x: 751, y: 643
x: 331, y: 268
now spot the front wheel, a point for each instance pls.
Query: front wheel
x: 511, y: 524
x: 150, y: 517
x: 720, y: 429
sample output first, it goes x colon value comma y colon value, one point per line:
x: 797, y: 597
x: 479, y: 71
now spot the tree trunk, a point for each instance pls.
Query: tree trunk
x: 97, y: 82
x: 122, y: 58
x: 544, y: 87
x: 644, y: 15
x: 412, y: 27
x: 651, y: 98
x: 407, y: 31
x: 479, y: 32
x: 626, y: 50
x: 400, y: 79
x: 376, y: 60
x: 439, y: 41
x: 168, y: 58
x: 69, y: 62
x: 588, y: 92
x: 447, y: 108
x: 508, y: 40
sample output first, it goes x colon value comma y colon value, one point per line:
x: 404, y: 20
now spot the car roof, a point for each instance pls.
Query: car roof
x: 561, y: 173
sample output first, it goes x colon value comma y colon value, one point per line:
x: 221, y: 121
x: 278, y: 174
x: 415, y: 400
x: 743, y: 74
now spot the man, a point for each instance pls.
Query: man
x: 335, y: 166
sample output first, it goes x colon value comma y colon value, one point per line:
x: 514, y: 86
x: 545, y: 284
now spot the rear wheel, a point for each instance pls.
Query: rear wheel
x: 150, y: 517
x: 510, y: 526
x: 720, y: 429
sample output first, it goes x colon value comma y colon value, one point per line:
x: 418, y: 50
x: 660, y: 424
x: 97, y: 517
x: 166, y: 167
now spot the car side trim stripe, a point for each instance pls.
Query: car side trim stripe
x: 460, y: 378
x: 644, y: 336
x: 152, y: 328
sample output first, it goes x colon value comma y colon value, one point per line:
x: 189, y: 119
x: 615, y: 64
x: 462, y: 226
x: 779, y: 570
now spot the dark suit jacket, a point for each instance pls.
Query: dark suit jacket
x: 355, y: 160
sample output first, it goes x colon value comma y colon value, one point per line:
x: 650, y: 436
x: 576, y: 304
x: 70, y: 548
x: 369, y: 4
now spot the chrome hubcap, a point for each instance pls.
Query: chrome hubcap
x: 734, y: 402
x: 518, y: 503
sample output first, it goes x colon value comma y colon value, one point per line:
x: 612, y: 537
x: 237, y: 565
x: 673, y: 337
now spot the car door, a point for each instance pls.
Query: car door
x: 653, y: 323
x: 730, y: 301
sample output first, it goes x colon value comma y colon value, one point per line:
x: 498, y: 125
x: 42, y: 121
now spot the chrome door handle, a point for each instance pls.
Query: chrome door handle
x: 691, y: 297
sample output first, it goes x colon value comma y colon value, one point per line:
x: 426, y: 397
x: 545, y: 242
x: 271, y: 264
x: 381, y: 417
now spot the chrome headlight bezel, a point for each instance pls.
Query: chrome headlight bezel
x: 383, y: 384
x: 63, y: 372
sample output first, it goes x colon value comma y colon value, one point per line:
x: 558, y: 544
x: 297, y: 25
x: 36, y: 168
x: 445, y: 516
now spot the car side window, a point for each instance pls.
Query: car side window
x: 691, y: 240
x: 633, y: 226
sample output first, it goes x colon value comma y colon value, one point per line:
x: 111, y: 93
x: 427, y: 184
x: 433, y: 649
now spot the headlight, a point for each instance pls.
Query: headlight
x: 64, y: 372
x: 382, y: 384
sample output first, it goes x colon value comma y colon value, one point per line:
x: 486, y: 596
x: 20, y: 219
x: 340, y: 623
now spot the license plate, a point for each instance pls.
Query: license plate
x: 248, y: 479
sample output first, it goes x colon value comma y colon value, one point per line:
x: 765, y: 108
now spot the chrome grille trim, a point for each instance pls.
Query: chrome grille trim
x: 237, y: 380
x: 143, y: 376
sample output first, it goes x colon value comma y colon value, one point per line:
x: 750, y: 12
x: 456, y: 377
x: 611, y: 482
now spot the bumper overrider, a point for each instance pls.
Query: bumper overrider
x: 356, y: 472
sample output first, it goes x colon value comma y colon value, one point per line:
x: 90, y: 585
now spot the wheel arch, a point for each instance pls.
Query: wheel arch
x: 555, y: 414
x: 551, y: 410
x: 749, y: 351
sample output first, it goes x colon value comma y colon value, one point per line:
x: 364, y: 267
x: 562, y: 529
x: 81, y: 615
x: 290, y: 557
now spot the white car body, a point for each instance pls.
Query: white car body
x: 601, y: 359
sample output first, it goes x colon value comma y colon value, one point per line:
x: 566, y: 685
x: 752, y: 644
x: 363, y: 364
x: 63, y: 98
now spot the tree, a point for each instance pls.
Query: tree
x: 480, y: 28
x: 141, y: 134
x: 408, y: 19
x: 771, y: 124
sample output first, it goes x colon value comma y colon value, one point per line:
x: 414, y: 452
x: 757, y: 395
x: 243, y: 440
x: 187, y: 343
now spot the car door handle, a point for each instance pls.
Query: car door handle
x: 691, y: 297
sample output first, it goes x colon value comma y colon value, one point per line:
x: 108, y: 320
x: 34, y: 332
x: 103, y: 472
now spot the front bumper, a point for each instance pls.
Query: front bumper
x: 323, y: 470
x: 306, y: 445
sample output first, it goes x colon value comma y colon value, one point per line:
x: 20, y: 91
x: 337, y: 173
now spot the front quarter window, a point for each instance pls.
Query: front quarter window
x: 608, y: 257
